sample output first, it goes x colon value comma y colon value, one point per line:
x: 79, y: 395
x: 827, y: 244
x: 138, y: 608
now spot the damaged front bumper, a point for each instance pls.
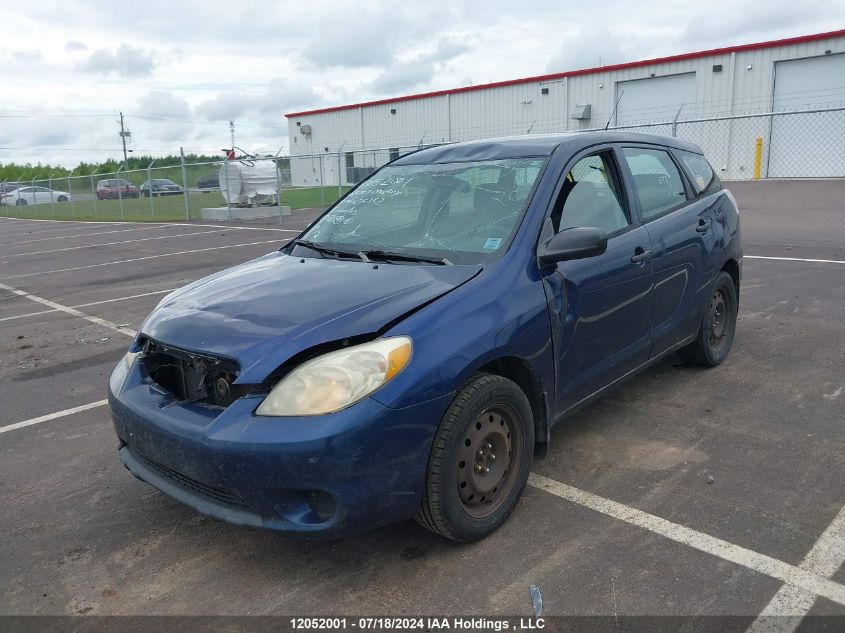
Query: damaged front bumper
x: 332, y: 474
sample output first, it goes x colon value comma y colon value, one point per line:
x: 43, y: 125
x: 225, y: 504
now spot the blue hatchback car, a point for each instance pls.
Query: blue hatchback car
x: 408, y: 355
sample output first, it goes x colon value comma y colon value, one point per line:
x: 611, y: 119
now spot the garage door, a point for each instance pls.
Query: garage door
x: 654, y: 99
x: 808, y: 145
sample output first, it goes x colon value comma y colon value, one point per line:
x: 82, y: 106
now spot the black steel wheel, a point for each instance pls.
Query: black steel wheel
x: 479, y: 461
x: 486, y: 461
x: 718, y: 326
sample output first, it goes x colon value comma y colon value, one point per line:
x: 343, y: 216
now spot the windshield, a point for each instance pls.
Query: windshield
x: 466, y: 212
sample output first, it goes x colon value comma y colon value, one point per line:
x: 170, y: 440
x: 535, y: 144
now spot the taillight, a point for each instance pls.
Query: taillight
x: 732, y: 199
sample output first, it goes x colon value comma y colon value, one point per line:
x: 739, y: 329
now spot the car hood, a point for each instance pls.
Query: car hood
x: 264, y: 311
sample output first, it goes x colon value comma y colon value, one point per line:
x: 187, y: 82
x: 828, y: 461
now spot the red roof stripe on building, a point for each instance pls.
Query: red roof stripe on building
x: 803, y: 39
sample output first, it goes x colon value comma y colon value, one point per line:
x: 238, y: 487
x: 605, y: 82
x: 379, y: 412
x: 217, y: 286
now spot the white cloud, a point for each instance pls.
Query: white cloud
x: 27, y: 57
x: 125, y: 61
x: 408, y: 74
x: 588, y: 48
x: 279, y: 96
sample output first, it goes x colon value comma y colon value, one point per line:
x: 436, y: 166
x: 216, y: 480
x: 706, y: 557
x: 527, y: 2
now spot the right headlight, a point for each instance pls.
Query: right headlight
x: 338, y: 379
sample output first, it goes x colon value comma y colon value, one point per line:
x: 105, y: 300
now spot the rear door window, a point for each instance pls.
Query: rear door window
x: 658, y: 183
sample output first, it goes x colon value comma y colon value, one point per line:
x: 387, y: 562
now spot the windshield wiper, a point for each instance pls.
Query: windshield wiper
x: 405, y: 257
x: 325, y: 250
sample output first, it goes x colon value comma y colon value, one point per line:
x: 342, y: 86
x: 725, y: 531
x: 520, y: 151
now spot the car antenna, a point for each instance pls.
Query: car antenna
x: 615, y: 105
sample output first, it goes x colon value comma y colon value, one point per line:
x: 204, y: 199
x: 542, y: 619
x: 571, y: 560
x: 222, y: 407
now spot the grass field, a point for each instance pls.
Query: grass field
x: 161, y: 209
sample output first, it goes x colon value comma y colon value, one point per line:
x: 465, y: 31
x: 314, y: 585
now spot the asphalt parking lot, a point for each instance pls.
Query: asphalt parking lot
x: 685, y: 492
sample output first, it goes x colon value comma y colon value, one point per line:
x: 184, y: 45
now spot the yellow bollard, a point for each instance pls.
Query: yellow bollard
x: 758, y: 158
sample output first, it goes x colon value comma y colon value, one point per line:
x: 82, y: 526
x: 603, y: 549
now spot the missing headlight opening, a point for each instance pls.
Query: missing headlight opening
x: 192, y: 377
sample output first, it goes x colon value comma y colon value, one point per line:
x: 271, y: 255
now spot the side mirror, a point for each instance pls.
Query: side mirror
x: 575, y: 243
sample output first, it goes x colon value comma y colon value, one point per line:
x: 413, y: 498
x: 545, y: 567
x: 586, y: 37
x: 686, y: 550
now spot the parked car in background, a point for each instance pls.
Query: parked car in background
x: 408, y: 355
x: 209, y: 183
x: 6, y: 187
x: 33, y: 195
x: 159, y: 187
x: 116, y: 188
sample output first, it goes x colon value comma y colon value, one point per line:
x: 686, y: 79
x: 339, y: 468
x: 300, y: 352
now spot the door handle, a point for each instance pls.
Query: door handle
x: 640, y: 255
x: 703, y: 225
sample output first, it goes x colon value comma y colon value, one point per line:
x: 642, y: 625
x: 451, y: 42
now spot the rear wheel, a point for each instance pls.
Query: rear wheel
x: 21, y: 202
x: 479, y: 461
x: 718, y: 326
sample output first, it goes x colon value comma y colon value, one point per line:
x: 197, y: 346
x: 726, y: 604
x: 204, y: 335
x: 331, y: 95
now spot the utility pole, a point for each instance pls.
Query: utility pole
x: 232, y: 132
x: 124, y: 134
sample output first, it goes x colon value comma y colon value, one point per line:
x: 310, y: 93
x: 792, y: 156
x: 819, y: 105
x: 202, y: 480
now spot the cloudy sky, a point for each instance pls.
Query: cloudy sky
x: 179, y: 70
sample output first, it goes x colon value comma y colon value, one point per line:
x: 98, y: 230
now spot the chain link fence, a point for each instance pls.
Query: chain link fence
x: 189, y: 192
x: 793, y: 144
x: 790, y: 144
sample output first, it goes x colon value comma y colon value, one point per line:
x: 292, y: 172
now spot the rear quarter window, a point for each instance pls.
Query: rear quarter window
x: 701, y: 174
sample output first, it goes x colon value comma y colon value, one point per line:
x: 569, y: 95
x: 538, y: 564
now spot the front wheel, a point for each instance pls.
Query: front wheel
x: 479, y: 461
x: 21, y: 202
x: 62, y: 199
x: 718, y: 326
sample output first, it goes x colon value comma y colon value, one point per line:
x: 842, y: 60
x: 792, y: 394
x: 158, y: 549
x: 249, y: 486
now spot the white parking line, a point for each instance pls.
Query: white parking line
x: 242, y: 228
x: 62, y: 237
x: 140, y: 239
x: 218, y: 226
x: 772, y: 567
x: 73, y: 311
x: 85, y: 305
x: 52, y: 416
x: 796, y: 259
x: 791, y: 603
x: 42, y: 220
x: 138, y: 259
x: 41, y: 230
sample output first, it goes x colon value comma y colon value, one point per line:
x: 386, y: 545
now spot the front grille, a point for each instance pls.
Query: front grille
x: 212, y: 493
x: 193, y: 377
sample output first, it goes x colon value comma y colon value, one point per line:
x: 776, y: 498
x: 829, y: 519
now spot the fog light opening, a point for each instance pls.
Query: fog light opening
x: 321, y: 503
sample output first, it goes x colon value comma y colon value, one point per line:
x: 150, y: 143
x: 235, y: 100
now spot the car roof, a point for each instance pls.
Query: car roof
x: 535, y: 145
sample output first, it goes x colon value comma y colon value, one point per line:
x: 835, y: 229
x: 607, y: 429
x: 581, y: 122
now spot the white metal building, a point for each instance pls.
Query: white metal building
x: 803, y: 73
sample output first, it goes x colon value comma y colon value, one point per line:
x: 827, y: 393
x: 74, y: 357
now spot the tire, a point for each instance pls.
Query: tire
x: 21, y: 202
x: 61, y: 199
x: 470, y: 490
x: 717, y: 328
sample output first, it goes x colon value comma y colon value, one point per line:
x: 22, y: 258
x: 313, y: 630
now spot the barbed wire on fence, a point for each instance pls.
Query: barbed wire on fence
x: 792, y: 143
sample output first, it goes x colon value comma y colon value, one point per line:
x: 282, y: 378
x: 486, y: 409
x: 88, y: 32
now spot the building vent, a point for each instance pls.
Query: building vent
x: 392, y: 110
x: 305, y: 129
x: 717, y: 68
x: 544, y: 91
x: 582, y: 112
